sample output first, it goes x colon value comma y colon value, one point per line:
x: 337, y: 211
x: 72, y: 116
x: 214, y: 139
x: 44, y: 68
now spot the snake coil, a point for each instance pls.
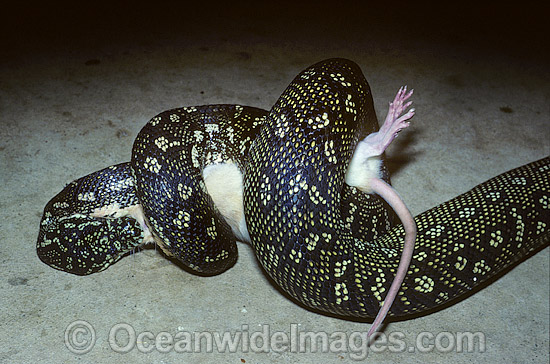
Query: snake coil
x: 327, y: 245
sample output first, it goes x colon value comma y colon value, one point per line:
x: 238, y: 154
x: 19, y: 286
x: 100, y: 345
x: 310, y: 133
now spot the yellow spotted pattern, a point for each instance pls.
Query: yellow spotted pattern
x: 168, y: 157
x: 329, y: 246
x: 328, y: 256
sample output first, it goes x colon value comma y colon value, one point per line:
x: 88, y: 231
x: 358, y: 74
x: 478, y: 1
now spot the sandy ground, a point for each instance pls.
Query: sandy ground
x: 77, y: 84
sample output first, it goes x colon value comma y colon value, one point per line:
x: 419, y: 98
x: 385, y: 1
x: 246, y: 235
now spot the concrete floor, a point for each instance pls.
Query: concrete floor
x: 75, y: 90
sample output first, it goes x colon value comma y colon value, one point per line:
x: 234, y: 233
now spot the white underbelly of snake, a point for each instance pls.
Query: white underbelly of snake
x: 301, y: 183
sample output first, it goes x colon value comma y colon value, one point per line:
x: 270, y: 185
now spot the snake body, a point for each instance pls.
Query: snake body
x: 327, y: 245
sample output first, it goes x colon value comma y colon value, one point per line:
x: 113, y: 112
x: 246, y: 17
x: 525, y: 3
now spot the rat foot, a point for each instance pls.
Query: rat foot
x: 365, y: 163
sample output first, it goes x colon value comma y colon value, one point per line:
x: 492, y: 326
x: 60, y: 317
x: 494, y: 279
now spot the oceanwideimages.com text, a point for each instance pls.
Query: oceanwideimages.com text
x: 80, y: 338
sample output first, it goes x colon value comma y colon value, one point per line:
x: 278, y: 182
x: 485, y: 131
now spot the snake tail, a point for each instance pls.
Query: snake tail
x: 475, y: 237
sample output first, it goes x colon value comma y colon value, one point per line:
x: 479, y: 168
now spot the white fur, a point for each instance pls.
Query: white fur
x: 364, y: 166
x: 224, y: 183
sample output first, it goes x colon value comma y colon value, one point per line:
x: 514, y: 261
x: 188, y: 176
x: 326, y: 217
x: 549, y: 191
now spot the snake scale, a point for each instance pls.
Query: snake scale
x: 328, y: 245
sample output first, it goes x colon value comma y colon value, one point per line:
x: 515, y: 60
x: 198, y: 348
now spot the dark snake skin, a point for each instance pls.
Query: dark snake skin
x: 327, y: 245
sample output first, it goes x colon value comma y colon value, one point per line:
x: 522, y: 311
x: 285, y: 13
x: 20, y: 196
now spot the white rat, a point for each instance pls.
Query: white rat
x: 224, y: 184
x: 364, y: 173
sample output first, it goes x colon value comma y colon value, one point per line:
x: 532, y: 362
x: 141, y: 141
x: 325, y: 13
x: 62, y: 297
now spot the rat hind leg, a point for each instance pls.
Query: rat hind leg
x: 365, y: 163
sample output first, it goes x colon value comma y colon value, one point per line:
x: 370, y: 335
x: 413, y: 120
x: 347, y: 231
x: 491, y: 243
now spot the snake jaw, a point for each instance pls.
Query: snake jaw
x: 115, y: 211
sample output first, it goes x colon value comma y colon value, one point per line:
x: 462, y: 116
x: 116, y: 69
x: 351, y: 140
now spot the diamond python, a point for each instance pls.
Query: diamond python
x: 326, y: 244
